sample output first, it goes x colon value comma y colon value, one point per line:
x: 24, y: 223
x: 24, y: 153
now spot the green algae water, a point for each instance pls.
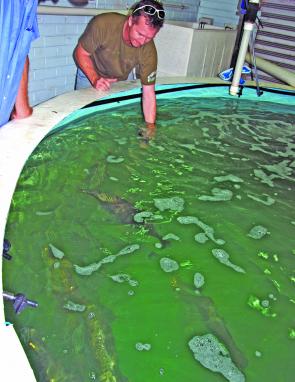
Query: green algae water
x: 168, y: 261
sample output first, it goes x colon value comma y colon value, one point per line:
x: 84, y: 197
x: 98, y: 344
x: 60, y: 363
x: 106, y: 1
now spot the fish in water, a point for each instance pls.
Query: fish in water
x: 102, y: 344
x: 46, y: 368
x: 214, y: 322
x: 122, y: 210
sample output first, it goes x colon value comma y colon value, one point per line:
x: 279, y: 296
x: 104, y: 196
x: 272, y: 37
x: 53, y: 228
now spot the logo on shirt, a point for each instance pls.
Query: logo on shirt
x: 152, y: 77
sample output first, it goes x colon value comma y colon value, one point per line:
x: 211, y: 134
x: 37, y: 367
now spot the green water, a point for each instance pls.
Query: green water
x: 198, y: 143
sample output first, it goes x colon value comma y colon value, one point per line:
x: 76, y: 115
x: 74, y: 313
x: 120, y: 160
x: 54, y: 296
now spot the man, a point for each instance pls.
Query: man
x: 113, y: 45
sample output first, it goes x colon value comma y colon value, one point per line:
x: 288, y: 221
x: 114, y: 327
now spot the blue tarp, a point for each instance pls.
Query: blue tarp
x: 18, y: 28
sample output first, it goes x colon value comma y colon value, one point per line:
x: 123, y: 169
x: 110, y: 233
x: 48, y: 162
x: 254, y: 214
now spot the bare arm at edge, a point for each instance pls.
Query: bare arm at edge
x: 84, y: 61
x: 149, y: 104
x: 22, y: 108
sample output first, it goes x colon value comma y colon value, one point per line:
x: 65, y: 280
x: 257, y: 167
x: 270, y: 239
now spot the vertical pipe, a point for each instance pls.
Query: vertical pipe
x: 248, y: 28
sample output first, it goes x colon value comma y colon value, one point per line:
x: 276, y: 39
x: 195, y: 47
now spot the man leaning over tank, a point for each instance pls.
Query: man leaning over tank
x: 112, y: 45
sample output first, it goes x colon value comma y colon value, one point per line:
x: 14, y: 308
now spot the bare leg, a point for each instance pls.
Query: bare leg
x: 22, y: 108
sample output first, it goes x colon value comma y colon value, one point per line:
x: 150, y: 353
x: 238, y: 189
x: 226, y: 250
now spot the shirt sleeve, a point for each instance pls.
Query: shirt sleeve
x: 148, y: 64
x: 92, y: 36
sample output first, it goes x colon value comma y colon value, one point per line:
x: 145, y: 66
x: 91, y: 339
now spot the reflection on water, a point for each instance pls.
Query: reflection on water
x: 134, y: 251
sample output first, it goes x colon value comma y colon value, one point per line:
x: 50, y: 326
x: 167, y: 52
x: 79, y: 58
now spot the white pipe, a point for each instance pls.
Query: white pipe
x: 276, y: 71
x: 71, y: 11
x: 177, y: 6
x: 247, y: 30
x: 80, y: 11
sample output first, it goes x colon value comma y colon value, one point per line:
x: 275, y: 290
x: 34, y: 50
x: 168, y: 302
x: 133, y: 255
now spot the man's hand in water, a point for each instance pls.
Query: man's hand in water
x: 103, y: 83
x: 150, y: 130
x: 147, y: 133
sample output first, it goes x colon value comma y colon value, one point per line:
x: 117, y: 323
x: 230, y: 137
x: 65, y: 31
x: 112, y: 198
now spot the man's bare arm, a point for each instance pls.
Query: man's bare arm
x: 22, y: 108
x: 149, y: 104
x: 84, y: 61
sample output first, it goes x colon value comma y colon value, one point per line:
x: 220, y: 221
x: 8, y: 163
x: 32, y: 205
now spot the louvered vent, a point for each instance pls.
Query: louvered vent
x: 275, y: 42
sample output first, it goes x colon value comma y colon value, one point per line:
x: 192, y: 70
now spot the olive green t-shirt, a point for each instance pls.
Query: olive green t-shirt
x: 111, y: 56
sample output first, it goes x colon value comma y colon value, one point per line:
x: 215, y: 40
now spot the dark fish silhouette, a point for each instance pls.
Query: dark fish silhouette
x: 100, y: 335
x: 122, y: 210
x: 214, y: 323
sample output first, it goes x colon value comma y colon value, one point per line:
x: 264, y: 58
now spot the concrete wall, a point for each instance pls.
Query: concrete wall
x: 211, y: 52
x: 223, y: 12
x: 194, y: 52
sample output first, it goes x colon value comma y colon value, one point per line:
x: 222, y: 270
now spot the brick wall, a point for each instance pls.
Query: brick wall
x: 52, y: 68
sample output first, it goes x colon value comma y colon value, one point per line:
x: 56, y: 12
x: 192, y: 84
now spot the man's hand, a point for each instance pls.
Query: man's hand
x: 85, y: 63
x: 103, y: 83
x: 147, y: 133
x: 150, y: 130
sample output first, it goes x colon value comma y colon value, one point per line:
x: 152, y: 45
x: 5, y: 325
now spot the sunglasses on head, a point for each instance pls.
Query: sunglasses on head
x: 151, y: 10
